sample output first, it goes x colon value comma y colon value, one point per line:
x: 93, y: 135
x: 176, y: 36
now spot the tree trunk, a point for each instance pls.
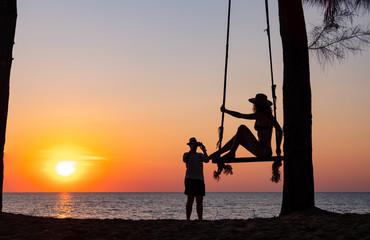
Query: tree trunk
x: 298, y: 189
x: 8, y: 17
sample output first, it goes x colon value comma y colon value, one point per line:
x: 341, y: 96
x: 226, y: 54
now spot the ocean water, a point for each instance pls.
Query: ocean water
x: 138, y: 206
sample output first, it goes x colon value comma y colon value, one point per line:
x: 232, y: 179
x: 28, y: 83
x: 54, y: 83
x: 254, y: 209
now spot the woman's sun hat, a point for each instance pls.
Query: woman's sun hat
x: 261, y: 100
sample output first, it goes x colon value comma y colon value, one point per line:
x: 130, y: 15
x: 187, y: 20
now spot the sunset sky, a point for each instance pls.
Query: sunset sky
x: 116, y: 88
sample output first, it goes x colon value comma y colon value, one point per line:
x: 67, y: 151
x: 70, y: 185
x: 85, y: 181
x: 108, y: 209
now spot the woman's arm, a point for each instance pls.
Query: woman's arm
x: 279, y: 136
x: 238, y: 114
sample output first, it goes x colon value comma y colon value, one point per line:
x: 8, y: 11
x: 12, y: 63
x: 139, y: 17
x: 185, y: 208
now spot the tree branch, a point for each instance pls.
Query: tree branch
x: 336, y: 37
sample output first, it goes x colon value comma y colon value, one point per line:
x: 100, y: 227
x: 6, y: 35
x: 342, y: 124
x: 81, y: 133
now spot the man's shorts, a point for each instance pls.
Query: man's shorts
x: 195, y: 187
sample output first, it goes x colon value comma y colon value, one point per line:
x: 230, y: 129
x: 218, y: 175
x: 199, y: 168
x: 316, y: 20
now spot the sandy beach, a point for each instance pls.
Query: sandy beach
x: 314, y: 224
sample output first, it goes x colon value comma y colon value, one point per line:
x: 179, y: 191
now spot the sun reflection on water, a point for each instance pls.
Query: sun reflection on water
x: 64, y: 205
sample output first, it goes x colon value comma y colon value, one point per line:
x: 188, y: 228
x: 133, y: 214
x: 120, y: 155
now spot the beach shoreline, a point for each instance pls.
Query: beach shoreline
x: 315, y: 224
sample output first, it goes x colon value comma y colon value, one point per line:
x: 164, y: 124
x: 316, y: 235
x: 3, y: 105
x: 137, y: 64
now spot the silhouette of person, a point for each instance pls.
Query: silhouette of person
x: 194, y: 179
x: 264, y: 123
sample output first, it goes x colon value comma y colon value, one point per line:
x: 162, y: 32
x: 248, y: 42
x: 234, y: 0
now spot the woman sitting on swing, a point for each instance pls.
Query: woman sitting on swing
x: 260, y: 147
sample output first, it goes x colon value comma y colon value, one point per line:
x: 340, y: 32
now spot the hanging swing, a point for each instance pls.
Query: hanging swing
x: 221, y: 161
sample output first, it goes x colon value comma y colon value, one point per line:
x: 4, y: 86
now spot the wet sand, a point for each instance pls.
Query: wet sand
x: 313, y: 224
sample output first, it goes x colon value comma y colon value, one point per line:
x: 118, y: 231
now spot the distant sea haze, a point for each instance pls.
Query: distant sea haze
x: 137, y: 206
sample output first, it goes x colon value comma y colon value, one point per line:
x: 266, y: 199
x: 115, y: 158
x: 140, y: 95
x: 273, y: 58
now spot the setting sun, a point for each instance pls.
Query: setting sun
x: 65, y: 168
x: 69, y: 167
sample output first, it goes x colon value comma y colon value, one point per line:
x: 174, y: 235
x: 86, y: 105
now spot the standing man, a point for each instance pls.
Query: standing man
x: 194, y: 179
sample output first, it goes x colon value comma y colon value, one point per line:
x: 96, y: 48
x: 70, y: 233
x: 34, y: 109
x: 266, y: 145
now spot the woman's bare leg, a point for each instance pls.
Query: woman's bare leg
x: 243, y: 137
x: 249, y: 142
x: 224, y: 149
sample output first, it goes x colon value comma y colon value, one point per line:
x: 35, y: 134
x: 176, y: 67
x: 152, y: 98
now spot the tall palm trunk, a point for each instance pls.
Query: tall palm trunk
x: 8, y: 17
x: 298, y: 189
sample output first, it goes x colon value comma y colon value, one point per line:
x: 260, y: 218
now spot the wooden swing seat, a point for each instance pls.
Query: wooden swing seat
x: 249, y: 159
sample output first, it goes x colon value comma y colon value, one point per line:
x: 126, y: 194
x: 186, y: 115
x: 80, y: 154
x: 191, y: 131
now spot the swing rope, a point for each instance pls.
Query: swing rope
x: 221, y: 128
x: 277, y: 161
x: 273, y: 86
x: 227, y: 169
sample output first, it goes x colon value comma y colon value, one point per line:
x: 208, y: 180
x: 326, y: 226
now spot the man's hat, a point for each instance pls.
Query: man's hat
x: 192, y: 141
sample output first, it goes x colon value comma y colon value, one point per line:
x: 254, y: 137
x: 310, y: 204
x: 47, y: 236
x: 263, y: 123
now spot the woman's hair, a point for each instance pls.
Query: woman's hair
x: 267, y: 110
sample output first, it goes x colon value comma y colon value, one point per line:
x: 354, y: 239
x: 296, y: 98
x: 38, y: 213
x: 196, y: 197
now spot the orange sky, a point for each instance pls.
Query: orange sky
x: 120, y: 88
